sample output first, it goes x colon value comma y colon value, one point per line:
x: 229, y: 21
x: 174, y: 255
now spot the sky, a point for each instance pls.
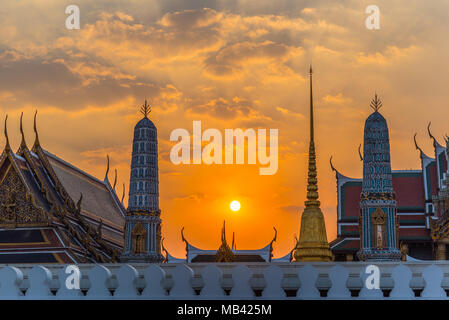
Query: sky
x: 231, y: 64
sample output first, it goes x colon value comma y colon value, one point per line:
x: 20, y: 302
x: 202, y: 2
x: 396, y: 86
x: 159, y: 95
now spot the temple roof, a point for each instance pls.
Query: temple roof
x: 48, y: 192
x: 194, y: 254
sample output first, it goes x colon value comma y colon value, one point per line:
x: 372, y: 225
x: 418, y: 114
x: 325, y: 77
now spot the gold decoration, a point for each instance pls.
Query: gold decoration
x: 145, y: 109
x: 16, y: 205
x: 379, y: 220
x: 312, y: 244
x: 224, y: 252
x: 138, y: 238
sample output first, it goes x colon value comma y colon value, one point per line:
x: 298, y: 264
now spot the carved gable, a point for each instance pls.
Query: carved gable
x: 16, y: 204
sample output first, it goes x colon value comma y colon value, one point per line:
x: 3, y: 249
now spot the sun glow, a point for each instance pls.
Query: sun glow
x: 235, y: 205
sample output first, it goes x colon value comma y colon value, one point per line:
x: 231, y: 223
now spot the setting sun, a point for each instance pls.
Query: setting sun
x: 235, y: 205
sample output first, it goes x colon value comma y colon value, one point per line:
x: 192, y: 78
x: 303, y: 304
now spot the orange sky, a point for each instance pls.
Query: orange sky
x: 234, y: 64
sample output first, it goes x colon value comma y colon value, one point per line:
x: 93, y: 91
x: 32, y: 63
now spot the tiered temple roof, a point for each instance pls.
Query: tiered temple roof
x: 53, y: 212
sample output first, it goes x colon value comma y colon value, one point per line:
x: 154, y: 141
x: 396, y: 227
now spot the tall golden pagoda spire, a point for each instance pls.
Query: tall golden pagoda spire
x: 312, y: 244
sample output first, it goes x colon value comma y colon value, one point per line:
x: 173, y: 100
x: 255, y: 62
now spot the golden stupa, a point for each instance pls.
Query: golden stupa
x: 312, y: 244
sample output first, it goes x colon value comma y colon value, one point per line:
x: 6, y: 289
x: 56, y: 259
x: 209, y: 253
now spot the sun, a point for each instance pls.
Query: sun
x: 235, y: 205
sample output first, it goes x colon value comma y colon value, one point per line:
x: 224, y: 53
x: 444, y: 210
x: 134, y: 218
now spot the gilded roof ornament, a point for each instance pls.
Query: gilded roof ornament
x: 145, y: 109
x: 123, y: 194
x: 416, y: 144
x: 360, y: 152
x: 376, y: 104
x: 7, y: 146
x: 22, y: 143
x: 107, y: 168
x: 36, y: 141
x: 115, y: 179
x: 224, y: 252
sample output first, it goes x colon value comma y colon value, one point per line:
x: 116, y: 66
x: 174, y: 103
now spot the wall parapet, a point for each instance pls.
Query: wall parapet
x: 334, y: 280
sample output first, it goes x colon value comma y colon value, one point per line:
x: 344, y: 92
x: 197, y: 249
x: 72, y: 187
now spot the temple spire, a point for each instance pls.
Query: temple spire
x: 312, y: 244
x: 312, y: 183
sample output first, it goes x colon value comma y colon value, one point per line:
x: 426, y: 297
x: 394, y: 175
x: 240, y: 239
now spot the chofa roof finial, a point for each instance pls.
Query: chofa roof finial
x: 23, y: 143
x: 416, y: 144
x: 123, y: 194
x: 145, y: 109
x: 376, y: 104
x: 115, y: 179
x: 107, y: 168
x: 7, y: 146
x: 36, y: 141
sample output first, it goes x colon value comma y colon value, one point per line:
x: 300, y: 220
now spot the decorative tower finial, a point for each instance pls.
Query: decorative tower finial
x: 376, y: 104
x: 23, y: 143
x: 312, y: 244
x: 36, y: 140
x: 145, y: 109
x: 7, y: 146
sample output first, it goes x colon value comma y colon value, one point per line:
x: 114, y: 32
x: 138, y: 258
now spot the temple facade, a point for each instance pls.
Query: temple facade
x: 389, y: 214
x: 54, y: 212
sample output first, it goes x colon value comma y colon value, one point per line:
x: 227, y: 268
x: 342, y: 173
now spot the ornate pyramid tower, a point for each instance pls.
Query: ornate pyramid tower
x: 143, y: 223
x: 378, y: 221
x: 312, y: 244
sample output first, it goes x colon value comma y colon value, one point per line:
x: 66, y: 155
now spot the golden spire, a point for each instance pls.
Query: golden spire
x: 7, y: 146
x: 312, y: 244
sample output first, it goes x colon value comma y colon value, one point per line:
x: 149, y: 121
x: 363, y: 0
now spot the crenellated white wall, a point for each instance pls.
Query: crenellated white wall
x: 335, y: 280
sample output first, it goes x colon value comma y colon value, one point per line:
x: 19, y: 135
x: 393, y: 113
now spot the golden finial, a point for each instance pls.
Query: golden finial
x: 376, y: 104
x: 430, y: 133
x: 115, y: 179
x: 36, y: 141
x: 7, y: 146
x: 107, y: 168
x: 224, y: 253
x: 123, y: 194
x: 312, y: 244
x: 145, y: 109
x: 23, y: 143
x: 416, y: 145
x: 360, y: 152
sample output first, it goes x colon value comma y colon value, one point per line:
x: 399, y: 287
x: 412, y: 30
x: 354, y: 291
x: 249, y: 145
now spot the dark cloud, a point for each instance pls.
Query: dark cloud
x: 224, y: 109
x: 231, y: 58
